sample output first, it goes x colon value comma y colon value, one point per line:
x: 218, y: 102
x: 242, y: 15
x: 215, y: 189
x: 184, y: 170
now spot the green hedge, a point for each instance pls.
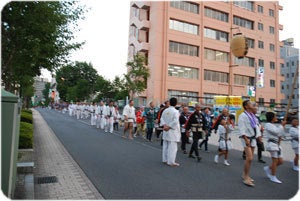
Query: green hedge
x: 26, y: 117
x: 27, y: 111
x: 26, y: 135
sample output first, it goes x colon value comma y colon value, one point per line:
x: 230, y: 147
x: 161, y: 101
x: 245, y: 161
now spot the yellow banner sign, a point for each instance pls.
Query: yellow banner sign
x: 233, y: 102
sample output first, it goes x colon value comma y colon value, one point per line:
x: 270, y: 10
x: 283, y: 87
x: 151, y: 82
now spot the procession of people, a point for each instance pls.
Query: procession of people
x: 173, y: 127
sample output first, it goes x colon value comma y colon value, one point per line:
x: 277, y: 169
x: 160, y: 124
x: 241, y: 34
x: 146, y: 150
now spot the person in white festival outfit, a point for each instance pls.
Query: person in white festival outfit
x: 129, y: 119
x: 100, y: 111
x: 294, y: 132
x: 92, y: 110
x: 273, y: 135
x: 171, y: 133
x: 70, y: 108
x: 249, y: 130
x: 78, y: 105
x: 110, y: 114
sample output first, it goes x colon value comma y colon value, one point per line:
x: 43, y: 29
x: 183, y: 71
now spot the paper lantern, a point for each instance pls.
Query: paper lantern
x: 239, y: 46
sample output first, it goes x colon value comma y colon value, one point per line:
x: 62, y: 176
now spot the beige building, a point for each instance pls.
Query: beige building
x: 187, y: 47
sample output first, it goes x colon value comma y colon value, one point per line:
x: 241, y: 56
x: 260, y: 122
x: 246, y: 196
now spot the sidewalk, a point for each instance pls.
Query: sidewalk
x: 57, y: 175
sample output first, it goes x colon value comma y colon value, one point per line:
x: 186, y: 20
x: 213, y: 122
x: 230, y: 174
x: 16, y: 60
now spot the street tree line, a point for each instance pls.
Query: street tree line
x: 80, y: 81
x: 36, y: 35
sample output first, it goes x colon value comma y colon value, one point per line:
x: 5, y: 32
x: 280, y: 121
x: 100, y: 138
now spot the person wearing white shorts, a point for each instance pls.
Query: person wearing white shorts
x: 273, y: 135
x: 248, y: 131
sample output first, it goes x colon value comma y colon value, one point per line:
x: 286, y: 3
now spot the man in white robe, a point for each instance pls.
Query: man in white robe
x: 92, y: 109
x: 171, y: 133
x: 100, y: 111
x: 110, y: 114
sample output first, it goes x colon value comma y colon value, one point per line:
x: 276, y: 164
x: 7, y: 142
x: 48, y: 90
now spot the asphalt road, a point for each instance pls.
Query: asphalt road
x: 132, y: 169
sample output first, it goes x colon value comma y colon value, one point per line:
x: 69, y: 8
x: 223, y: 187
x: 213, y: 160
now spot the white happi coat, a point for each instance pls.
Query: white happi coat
x: 272, y: 132
x: 170, y: 117
x: 245, y: 127
x: 294, y: 132
x: 129, y: 111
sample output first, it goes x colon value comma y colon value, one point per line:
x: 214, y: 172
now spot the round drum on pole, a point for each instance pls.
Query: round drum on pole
x: 239, y: 46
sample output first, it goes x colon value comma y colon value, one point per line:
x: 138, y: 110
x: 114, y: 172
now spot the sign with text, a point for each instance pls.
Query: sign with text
x: 231, y: 102
x: 260, y: 77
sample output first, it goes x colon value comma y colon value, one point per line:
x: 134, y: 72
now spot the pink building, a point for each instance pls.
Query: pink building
x: 187, y: 47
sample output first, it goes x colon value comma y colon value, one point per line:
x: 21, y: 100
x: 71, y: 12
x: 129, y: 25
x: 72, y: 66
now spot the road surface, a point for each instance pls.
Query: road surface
x: 132, y: 169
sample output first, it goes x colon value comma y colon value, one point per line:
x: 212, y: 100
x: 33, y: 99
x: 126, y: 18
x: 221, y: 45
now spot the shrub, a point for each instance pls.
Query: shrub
x: 26, y: 135
x: 27, y: 111
x: 26, y: 117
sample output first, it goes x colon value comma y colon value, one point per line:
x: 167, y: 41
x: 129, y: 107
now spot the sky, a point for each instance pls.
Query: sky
x: 106, y: 29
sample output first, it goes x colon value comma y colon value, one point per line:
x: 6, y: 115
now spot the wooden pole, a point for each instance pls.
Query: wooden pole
x: 291, y: 93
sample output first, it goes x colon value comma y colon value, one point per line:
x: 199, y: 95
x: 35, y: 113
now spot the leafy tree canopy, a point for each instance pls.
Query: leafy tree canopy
x: 76, y: 81
x: 35, y: 35
x: 137, y: 75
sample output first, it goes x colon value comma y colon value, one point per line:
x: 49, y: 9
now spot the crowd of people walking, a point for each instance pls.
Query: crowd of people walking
x: 173, y: 125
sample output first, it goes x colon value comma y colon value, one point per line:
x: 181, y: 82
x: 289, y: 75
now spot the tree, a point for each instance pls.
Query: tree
x: 46, y: 93
x: 119, y: 88
x: 104, y: 89
x: 76, y: 81
x: 137, y: 75
x: 36, y: 35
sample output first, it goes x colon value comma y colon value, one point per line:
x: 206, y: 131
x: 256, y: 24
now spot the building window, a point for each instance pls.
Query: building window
x: 249, y: 5
x: 282, y: 87
x: 272, y: 47
x: 134, y: 31
x: 243, y: 80
x: 250, y: 42
x: 186, y: 6
x: 183, y: 72
x: 287, y: 86
x: 272, y: 65
x: 260, y: 26
x: 216, y: 55
x: 271, y: 30
x: 246, y: 61
x: 272, y: 100
x: 293, y: 74
x: 261, y: 101
x: 136, y: 12
x: 182, y: 48
x: 208, y: 99
x: 183, y: 96
x: 183, y: 26
x: 287, y: 75
x: 272, y: 83
x: 271, y: 13
x: 260, y: 9
x: 243, y: 22
x: 261, y: 63
x: 282, y: 65
x: 260, y: 44
x: 293, y: 63
x: 215, y: 76
x: 215, y: 34
x: 215, y: 14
